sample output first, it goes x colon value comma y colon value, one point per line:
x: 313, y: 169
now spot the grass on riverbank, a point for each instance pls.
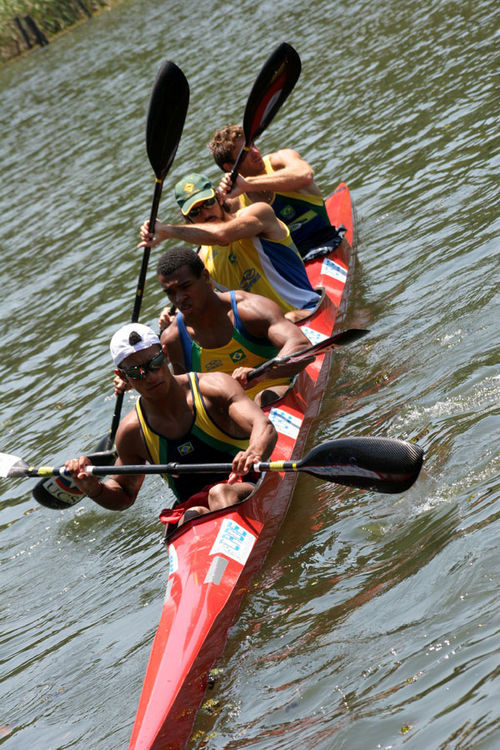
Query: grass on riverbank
x: 25, y: 24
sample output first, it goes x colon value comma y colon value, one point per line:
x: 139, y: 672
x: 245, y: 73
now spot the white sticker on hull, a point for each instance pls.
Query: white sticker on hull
x: 234, y: 541
x: 173, y: 560
x: 285, y: 423
x: 330, y: 268
x: 314, y: 336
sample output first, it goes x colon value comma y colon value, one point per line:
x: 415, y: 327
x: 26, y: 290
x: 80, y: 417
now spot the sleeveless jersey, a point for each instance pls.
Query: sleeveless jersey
x: 272, y: 268
x: 204, y: 442
x: 303, y: 214
x: 242, y: 349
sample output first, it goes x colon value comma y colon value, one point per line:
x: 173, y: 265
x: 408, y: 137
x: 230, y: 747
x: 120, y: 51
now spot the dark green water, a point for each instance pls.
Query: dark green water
x: 374, y: 622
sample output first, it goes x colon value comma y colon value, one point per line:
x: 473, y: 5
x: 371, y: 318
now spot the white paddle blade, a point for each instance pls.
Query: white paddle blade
x: 12, y: 466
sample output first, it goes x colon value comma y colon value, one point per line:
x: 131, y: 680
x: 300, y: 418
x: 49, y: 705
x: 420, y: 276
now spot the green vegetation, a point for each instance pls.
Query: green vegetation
x: 25, y: 24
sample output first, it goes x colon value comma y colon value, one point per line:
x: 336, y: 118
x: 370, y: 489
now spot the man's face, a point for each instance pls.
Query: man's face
x: 252, y: 163
x: 145, y: 370
x: 187, y: 292
x: 206, y: 211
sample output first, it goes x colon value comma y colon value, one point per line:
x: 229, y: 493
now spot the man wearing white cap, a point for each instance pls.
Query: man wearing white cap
x: 191, y: 418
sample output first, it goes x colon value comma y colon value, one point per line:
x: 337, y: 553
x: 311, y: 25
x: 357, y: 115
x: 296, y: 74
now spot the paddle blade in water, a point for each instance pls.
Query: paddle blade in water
x: 166, y: 115
x: 340, y: 339
x: 381, y: 464
x: 60, y: 492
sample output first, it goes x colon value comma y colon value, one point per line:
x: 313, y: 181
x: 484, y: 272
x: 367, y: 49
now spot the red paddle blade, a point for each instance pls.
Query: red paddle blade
x: 273, y: 85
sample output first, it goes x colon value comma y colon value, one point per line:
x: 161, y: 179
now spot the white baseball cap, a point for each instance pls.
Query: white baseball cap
x: 131, y: 338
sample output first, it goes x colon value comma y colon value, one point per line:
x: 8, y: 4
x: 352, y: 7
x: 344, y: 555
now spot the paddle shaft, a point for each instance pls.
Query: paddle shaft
x: 171, y: 468
x: 141, y: 283
x: 382, y: 464
x: 339, y: 339
x: 139, y: 295
x: 165, y: 121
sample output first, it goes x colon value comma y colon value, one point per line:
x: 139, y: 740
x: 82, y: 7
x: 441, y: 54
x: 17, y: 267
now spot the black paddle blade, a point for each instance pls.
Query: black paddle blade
x: 168, y: 107
x: 347, y: 337
x: 59, y: 492
x: 273, y: 85
x: 370, y: 463
x: 339, y: 339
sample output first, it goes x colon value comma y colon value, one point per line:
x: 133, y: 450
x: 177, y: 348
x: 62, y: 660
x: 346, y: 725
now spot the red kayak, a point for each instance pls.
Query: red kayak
x: 213, y: 558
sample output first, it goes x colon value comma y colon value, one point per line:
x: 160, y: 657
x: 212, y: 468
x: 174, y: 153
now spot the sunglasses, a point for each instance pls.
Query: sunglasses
x: 196, y: 210
x: 138, y: 372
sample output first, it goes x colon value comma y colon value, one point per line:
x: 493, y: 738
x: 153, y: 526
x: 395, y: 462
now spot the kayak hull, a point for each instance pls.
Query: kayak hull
x: 213, y: 558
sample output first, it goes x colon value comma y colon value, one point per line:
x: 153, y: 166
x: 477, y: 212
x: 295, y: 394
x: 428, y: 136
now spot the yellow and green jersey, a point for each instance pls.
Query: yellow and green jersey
x: 272, y: 268
x: 242, y: 350
x: 204, y: 442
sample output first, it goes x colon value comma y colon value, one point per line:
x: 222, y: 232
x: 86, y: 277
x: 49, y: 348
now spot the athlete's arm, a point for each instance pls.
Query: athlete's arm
x: 236, y: 414
x: 253, y: 221
x: 119, y: 491
x: 170, y: 340
x: 290, y: 173
x: 263, y: 318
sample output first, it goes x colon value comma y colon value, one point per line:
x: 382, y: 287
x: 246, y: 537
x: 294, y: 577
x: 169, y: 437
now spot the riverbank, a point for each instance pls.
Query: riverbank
x: 28, y: 24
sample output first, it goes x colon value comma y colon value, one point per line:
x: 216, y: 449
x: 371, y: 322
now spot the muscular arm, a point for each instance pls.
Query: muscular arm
x: 291, y: 173
x: 235, y: 413
x: 170, y: 338
x: 253, y: 221
x: 118, y: 492
x: 262, y: 317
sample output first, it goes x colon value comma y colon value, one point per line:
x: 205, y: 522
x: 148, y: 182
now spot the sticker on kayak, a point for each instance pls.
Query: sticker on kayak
x: 330, y: 268
x: 233, y: 541
x: 314, y: 336
x: 173, y: 560
x: 285, y: 423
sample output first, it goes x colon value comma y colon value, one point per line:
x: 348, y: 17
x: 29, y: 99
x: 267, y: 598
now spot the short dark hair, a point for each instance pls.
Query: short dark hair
x: 177, y: 257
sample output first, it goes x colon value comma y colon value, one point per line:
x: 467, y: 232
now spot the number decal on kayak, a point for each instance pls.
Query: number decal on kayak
x: 234, y: 541
x: 285, y: 423
x: 330, y: 268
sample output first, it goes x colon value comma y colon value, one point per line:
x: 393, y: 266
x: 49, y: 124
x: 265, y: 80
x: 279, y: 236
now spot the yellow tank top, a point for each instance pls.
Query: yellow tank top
x: 204, y: 442
x: 242, y: 350
x: 262, y: 266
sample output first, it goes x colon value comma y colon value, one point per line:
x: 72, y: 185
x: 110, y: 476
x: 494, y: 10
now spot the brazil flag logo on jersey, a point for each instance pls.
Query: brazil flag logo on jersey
x: 287, y: 213
x: 185, y: 448
x: 238, y: 355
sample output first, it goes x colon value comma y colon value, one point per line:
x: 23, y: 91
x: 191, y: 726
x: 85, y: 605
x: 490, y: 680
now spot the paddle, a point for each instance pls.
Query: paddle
x: 272, y: 87
x: 167, y: 111
x: 339, y: 339
x: 380, y: 464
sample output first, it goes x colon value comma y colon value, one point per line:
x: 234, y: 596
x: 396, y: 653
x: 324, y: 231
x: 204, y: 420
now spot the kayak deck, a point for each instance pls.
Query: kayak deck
x: 213, y: 558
